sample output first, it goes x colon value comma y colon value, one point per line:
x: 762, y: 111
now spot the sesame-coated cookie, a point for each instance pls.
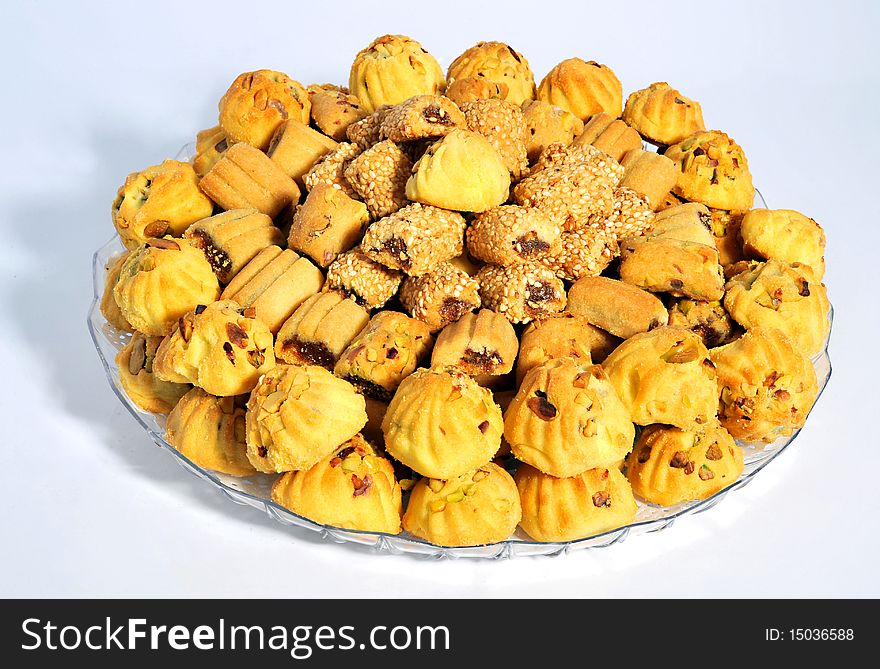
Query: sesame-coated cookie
x: 502, y: 123
x: 583, y: 88
x: 630, y: 216
x: 440, y: 296
x: 422, y: 117
x: 585, y: 252
x: 521, y: 292
x: 497, y: 63
x: 663, y: 115
x: 368, y: 130
x: 510, y: 234
x: 415, y: 239
x: 331, y: 169
x: 378, y: 176
x: 368, y: 282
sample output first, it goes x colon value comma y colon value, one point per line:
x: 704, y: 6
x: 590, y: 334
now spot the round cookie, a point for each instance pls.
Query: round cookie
x: 669, y: 465
x: 663, y: 115
x: 767, y: 387
x: 353, y: 488
x: 713, y: 170
x: 583, y: 88
x: 665, y: 376
x: 497, y: 63
x: 298, y: 415
x: 258, y: 102
x: 475, y: 508
x: 161, y: 281
x: 210, y: 431
x: 391, y: 69
x: 780, y: 295
x: 441, y: 423
x: 109, y: 309
x: 784, y: 234
x: 567, y: 418
x: 566, y: 509
x: 220, y: 348
x: 143, y: 387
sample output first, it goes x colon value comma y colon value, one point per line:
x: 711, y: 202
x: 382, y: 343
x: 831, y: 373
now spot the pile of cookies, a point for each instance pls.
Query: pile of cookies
x: 416, y: 284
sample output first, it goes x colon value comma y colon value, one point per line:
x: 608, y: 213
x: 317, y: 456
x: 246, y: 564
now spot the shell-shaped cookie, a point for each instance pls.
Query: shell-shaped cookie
x: 784, y: 234
x: 475, y: 508
x: 441, y: 423
x: 583, y: 88
x: 462, y: 171
x: 353, y: 488
x: 298, y: 415
x: 161, y: 200
x: 665, y: 376
x: 220, y: 348
x: 567, y: 418
x: 145, y: 389
x: 498, y: 63
x: 161, y: 281
x: 669, y: 465
x: 782, y: 295
x: 767, y: 386
x: 663, y: 115
x: 260, y: 101
x: 565, y: 509
x: 210, y: 431
x: 391, y: 69
x: 109, y: 309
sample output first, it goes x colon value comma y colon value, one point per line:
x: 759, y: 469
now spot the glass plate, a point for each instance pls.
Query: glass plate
x: 255, y: 490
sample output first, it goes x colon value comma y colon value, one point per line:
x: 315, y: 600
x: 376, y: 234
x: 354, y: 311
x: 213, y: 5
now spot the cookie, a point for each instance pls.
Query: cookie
x: 501, y: 123
x: 369, y: 283
x: 368, y: 131
x: 326, y: 224
x: 421, y: 117
x: 610, y: 135
x: 663, y: 115
x: 630, y: 216
x: 442, y: 424
x: 497, y: 63
x: 161, y: 200
x: 665, y: 376
x: 295, y: 148
x: 109, y: 309
x: 162, y: 280
x: 476, y: 508
x: 510, y: 235
x: 211, y: 143
x: 353, y: 488
x: 441, y: 296
x: 320, y: 329
x: 725, y: 227
x: 378, y: 176
x: 663, y: 265
x: 521, y: 292
x: 258, y: 102
x: 246, y: 178
x: 585, y: 252
x: 462, y: 171
x: 548, y: 124
x: 210, y: 432
x: 669, y: 466
x: 482, y: 345
x: 651, y: 175
x: 709, y: 320
x: 392, y: 69
x: 583, y: 88
x: 784, y: 234
x: 299, y: 415
x: 274, y: 283
x: 566, y: 509
x: 767, y: 386
x: 385, y: 352
x: 690, y: 222
x: 475, y: 88
x: 333, y: 111
x: 231, y: 239
x: 145, y: 389
x: 330, y: 169
x: 616, y: 307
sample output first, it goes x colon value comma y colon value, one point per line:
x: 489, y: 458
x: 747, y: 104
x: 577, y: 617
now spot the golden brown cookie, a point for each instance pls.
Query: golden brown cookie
x: 441, y: 423
x: 482, y: 344
x: 767, y: 386
x: 649, y: 174
x: 690, y: 222
x: 391, y: 69
x: 782, y: 295
x: 378, y: 176
x: 725, y: 227
x: 663, y: 265
x: 566, y: 509
x: 502, y: 123
x: 295, y: 148
x: 369, y: 283
x: 299, y: 415
x: 320, y: 330
x: 476, y: 508
x: 326, y: 224
x: 109, y: 309
x: 274, y: 283
x: 669, y: 465
x: 521, y: 292
x: 145, y: 389
x: 615, y: 306
x: 567, y: 418
x: 210, y: 432
x: 246, y: 178
x: 353, y: 488
x: 783, y: 234
x: 583, y: 88
x: 421, y: 117
x: 630, y: 216
x: 210, y: 145
x: 585, y: 252
x: 497, y: 63
x: 258, y: 102
x: 462, y: 171
x: 709, y: 320
x: 441, y: 296
x: 662, y: 114
x: 162, y: 280
x: 665, y: 376
x: 475, y: 88
x: 162, y: 200
x: 548, y: 124
x: 510, y: 235
x: 330, y: 169
x: 231, y: 239
x: 334, y: 111
x: 610, y: 135
x: 385, y: 352
x: 220, y: 348
x: 713, y: 170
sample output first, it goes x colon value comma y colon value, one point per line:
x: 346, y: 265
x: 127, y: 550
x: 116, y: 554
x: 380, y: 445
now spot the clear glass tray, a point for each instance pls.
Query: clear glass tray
x: 255, y: 491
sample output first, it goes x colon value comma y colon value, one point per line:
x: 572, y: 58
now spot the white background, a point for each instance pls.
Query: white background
x: 92, y: 91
